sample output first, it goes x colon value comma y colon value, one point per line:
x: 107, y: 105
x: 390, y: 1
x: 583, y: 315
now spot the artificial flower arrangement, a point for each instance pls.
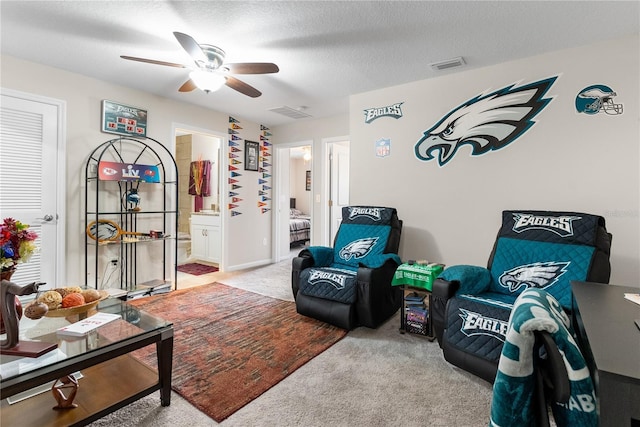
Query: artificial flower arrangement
x: 16, y: 243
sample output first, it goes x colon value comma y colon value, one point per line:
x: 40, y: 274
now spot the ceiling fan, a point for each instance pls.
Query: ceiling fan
x: 211, y: 72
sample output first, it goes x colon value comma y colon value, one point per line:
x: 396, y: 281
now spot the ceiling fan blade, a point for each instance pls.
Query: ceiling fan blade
x: 253, y: 68
x: 242, y: 87
x: 191, y: 46
x: 188, y: 86
x: 152, y: 61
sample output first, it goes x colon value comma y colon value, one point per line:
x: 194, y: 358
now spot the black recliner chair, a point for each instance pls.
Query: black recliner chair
x: 350, y: 285
x: 534, y: 249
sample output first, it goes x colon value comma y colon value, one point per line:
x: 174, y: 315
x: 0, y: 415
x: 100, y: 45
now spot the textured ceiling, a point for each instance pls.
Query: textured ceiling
x: 326, y: 50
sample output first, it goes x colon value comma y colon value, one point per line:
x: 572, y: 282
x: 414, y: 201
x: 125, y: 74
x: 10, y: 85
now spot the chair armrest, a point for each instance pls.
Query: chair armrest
x: 377, y: 299
x: 377, y: 261
x: 442, y: 291
x: 322, y: 256
x: 470, y: 278
x: 298, y: 264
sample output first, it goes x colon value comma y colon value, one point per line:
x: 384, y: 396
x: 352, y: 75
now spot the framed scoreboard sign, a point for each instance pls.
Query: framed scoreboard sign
x: 123, y: 119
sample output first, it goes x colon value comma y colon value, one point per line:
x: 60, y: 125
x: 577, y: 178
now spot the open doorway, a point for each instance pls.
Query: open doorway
x: 200, y: 222
x: 294, y: 207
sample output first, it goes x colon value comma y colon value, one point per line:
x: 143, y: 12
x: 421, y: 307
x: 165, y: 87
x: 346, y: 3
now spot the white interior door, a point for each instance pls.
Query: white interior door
x: 32, y: 179
x: 339, y: 184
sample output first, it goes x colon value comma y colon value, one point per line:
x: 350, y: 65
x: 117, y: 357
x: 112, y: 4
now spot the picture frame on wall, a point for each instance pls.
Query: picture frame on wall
x: 123, y: 119
x: 251, y: 150
x: 308, y: 181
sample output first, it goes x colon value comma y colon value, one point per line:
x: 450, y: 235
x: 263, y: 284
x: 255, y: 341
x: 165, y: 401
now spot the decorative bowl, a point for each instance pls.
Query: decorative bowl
x: 78, y: 309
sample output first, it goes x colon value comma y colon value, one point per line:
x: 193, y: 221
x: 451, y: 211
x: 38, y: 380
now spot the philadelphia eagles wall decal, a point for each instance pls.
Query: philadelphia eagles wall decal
x: 486, y: 123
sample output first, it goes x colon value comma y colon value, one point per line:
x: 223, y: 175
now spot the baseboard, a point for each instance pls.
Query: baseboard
x: 259, y: 263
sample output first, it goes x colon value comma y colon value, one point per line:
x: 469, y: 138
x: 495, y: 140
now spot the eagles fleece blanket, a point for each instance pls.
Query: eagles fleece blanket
x: 537, y: 310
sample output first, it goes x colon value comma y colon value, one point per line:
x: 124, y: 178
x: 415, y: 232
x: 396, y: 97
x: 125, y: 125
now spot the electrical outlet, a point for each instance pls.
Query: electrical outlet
x: 114, y: 261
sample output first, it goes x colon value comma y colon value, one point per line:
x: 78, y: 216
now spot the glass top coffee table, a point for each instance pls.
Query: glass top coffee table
x: 111, y: 377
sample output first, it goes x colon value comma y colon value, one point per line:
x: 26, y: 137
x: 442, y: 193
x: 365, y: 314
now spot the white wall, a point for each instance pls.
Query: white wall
x: 566, y: 161
x: 83, y: 97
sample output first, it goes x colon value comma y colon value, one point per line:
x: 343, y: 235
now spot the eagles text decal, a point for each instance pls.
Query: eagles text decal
x: 477, y: 324
x: 334, y: 279
x: 539, y: 275
x: 395, y: 111
x: 561, y: 225
x: 358, y: 248
x: 486, y: 122
x: 373, y: 213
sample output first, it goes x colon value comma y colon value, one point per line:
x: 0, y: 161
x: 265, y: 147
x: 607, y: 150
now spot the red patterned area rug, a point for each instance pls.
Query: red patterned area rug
x: 196, y: 269
x: 231, y: 345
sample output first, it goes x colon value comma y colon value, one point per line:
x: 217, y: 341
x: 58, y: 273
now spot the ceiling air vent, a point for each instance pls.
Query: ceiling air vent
x: 294, y: 113
x: 449, y: 63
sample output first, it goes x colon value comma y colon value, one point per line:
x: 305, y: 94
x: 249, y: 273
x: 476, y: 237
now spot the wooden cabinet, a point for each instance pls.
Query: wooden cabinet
x: 205, y: 237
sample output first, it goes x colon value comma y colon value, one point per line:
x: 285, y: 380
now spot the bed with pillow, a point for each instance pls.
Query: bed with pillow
x: 299, y: 226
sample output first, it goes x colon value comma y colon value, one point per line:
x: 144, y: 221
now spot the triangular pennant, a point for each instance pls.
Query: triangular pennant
x: 234, y: 174
x: 232, y: 120
x: 264, y: 148
x: 267, y: 133
x: 262, y: 193
x: 233, y: 168
x: 266, y: 175
x: 264, y: 210
x: 263, y: 127
x: 235, y: 149
x: 266, y: 143
x: 234, y: 213
x: 235, y: 162
x: 235, y: 138
x: 232, y: 132
x: 262, y: 181
x: 235, y: 186
x: 263, y: 138
x: 263, y: 170
x: 265, y: 198
x: 266, y: 154
x: 233, y: 144
x: 261, y: 204
x: 236, y: 199
x: 265, y: 164
x: 232, y: 206
x: 266, y: 187
x: 235, y: 126
x: 233, y: 156
x: 231, y: 194
x: 232, y: 181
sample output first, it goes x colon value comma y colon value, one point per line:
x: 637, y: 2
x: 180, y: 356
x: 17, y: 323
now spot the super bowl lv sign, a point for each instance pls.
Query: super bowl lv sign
x: 486, y: 122
x: 113, y: 171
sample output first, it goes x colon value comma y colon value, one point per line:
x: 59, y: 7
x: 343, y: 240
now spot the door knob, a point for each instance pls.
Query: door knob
x: 47, y: 218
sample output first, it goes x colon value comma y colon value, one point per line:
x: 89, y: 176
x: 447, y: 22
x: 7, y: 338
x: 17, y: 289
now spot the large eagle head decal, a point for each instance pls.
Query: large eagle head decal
x: 358, y: 248
x: 486, y: 122
x: 539, y: 275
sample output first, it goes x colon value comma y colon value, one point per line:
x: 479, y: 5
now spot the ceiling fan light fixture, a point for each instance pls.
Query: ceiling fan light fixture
x: 206, y: 80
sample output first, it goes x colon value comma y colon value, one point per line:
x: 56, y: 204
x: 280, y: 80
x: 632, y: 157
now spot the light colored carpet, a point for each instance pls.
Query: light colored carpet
x: 370, y: 378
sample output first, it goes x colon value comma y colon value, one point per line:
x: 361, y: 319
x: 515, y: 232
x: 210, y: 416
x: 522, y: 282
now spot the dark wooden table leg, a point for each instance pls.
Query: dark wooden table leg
x: 164, y: 349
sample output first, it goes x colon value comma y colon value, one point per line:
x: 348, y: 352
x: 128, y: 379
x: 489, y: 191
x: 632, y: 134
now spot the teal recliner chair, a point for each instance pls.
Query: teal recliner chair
x: 349, y: 285
x: 545, y: 250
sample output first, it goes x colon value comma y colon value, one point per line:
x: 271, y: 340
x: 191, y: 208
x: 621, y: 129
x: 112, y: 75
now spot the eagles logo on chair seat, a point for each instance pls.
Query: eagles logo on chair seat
x: 358, y: 248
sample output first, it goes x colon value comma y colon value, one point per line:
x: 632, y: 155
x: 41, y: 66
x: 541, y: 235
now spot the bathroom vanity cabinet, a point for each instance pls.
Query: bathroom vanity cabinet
x: 205, y: 237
